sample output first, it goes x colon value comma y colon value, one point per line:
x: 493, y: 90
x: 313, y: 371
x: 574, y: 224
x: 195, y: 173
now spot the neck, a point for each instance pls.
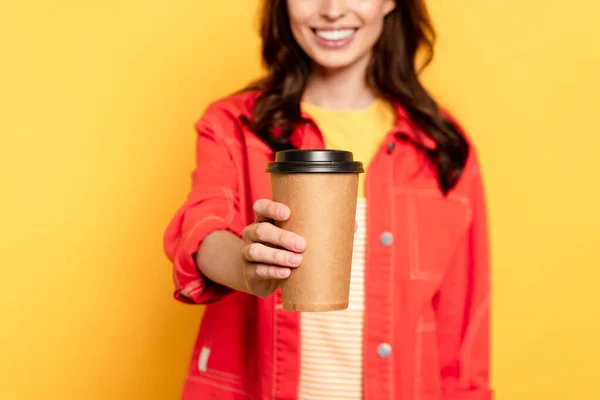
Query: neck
x: 342, y: 89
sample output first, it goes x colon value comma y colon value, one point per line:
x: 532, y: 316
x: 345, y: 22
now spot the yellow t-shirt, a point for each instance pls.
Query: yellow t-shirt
x: 331, y: 344
x: 358, y: 131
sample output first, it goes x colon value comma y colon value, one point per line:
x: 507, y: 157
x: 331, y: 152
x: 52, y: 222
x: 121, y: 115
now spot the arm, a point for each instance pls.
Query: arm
x: 204, y: 239
x: 463, y: 308
x: 211, y: 206
x: 219, y: 258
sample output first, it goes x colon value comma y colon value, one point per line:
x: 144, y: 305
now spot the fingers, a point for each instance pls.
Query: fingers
x: 261, y: 254
x: 268, y: 272
x: 265, y: 232
x: 266, y: 210
x: 271, y: 251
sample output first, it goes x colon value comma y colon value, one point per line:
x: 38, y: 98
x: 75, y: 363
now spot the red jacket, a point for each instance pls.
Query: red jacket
x: 427, y: 293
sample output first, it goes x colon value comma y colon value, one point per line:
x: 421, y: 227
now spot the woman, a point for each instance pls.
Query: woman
x: 340, y: 74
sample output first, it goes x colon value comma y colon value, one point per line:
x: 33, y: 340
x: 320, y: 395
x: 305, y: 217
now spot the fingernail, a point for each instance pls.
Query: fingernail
x: 281, y: 213
x: 299, y: 243
x: 284, y: 273
x: 294, y: 259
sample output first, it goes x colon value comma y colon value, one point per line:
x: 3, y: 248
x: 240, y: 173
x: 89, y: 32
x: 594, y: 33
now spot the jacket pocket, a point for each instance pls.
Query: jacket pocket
x: 218, y: 354
x: 430, y: 228
x: 209, y: 388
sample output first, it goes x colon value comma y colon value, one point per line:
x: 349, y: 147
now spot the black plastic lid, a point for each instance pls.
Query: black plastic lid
x: 315, y: 161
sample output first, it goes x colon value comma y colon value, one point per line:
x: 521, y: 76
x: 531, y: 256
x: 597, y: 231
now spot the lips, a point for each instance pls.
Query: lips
x: 334, y: 38
x: 335, y: 34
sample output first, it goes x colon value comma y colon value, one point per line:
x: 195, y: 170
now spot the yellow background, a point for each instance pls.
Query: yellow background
x: 97, y: 100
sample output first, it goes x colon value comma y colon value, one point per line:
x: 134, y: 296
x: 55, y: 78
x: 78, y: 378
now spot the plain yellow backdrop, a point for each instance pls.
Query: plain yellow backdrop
x: 97, y: 102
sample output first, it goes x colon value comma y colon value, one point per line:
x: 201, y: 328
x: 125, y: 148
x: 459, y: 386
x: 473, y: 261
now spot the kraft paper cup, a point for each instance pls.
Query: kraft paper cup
x: 320, y: 187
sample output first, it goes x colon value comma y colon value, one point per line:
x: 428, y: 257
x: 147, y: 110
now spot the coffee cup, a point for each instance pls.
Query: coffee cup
x: 320, y: 187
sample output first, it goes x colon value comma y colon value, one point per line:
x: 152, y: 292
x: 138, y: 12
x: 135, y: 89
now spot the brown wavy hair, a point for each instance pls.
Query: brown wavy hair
x: 392, y: 74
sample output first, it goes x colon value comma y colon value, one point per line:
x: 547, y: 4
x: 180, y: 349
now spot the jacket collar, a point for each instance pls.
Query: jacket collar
x: 404, y: 128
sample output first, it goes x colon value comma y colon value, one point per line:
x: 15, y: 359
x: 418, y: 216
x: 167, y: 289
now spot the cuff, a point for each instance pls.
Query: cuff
x: 191, y: 286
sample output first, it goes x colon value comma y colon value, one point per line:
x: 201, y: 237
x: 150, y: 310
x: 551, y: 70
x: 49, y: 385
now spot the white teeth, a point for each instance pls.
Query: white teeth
x: 336, y: 35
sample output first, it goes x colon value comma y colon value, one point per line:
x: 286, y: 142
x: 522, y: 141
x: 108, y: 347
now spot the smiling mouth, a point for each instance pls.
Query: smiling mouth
x: 334, y: 35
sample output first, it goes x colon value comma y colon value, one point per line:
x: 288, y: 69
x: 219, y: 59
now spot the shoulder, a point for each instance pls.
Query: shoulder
x: 472, y: 168
x: 228, y: 110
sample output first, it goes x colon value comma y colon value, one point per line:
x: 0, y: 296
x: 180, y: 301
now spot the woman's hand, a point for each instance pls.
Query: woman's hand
x: 270, y: 252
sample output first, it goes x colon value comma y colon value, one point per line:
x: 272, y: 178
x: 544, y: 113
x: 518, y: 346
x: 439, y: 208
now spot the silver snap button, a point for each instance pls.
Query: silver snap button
x: 384, y: 350
x: 386, y: 239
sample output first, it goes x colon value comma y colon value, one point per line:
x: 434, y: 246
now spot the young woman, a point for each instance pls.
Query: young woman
x: 340, y: 74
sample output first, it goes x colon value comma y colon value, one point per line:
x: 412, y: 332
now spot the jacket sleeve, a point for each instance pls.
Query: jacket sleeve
x: 212, y: 204
x: 463, y: 305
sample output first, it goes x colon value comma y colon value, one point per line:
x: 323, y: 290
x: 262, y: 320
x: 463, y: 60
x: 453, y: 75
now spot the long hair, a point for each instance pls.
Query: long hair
x: 392, y: 74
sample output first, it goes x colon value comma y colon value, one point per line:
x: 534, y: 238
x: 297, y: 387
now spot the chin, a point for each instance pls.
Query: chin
x: 329, y: 62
